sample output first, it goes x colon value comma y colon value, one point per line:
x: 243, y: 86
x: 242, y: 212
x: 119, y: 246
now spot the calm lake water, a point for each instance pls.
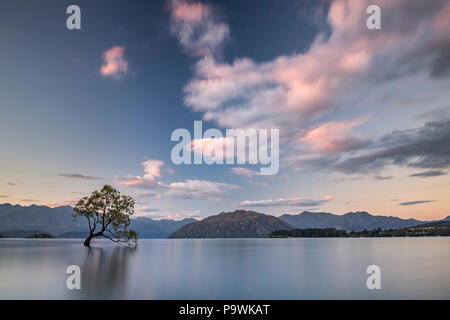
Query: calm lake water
x: 411, y: 268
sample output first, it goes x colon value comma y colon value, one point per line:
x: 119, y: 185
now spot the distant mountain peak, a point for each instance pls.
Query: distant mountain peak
x: 236, y: 224
x: 350, y: 221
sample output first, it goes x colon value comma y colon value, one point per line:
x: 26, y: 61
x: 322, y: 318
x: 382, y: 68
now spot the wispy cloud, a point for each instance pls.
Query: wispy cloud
x: 244, y: 172
x: 149, y: 210
x: 334, y: 136
x: 175, y: 214
x: 196, y: 26
x: 77, y: 176
x: 411, y: 203
x: 28, y: 200
x: 199, y: 189
x: 3, y: 196
x: 292, y: 202
x: 381, y: 178
x: 114, y: 63
x: 12, y: 183
x: 61, y: 203
x: 188, y: 189
x: 428, y: 174
x: 424, y: 147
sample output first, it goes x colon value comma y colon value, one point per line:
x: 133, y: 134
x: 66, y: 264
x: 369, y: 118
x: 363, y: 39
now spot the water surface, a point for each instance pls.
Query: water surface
x: 411, y: 268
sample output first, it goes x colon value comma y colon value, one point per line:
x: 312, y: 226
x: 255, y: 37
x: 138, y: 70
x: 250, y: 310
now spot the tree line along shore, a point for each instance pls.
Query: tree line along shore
x: 377, y: 233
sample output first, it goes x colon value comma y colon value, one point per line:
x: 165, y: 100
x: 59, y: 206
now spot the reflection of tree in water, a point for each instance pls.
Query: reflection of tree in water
x: 104, y: 272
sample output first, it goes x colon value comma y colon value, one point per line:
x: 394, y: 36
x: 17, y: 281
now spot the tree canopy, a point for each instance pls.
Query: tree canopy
x: 108, y: 215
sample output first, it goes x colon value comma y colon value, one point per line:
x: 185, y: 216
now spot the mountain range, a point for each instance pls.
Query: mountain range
x: 351, y: 221
x: 244, y: 224
x: 20, y: 221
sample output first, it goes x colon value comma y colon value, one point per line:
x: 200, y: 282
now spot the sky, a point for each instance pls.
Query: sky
x: 363, y: 115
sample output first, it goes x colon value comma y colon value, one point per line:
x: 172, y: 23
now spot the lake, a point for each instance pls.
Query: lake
x: 297, y: 268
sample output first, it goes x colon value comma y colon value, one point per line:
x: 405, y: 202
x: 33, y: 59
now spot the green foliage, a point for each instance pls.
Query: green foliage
x: 108, y: 214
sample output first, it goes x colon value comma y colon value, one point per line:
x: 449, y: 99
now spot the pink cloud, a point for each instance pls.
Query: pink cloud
x: 290, y: 88
x: 189, y: 12
x: 61, y: 204
x: 152, y: 169
x: 244, y: 172
x: 114, y: 63
x: 441, y: 23
x: 333, y: 136
x: 296, y: 92
x: 208, y: 146
x: 188, y: 189
x: 196, y: 27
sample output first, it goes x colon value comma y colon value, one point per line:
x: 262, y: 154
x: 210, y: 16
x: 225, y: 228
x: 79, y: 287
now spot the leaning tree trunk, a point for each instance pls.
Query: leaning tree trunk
x: 87, y: 242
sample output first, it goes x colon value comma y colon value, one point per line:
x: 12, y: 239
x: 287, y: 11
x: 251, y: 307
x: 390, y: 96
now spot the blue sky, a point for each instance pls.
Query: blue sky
x: 363, y: 114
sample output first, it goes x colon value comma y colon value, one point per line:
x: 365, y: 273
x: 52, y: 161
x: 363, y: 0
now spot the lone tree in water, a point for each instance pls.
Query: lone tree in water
x: 108, y: 215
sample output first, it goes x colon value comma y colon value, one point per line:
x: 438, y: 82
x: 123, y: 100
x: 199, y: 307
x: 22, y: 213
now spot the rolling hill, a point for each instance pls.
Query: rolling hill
x: 237, y: 224
x: 435, y: 224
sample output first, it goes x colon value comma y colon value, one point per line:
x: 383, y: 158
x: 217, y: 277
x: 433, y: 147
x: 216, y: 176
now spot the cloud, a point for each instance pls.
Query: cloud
x: 430, y: 173
x: 244, y: 172
x: 411, y: 203
x: 297, y: 93
x: 149, y: 195
x: 149, y: 210
x: 176, y: 215
x: 3, y: 196
x: 70, y: 203
x: 208, y: 146
x: 424, y: 147
x: 198, y: 189
x: 152, y: 169
x: 139, y: 182
x: 333, y: 137
x: 188, y: 189
x: 293, y: 202
x: 196, y: 27
x: 29, y: 200
x: 380, y: 177
x: 12, y: 183
x: 77, y: 176
x: 114, y: 63
x: 436, y: 114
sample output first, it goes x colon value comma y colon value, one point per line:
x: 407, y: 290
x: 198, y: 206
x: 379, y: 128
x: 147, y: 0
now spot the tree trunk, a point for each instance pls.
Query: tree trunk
x: 87, y: 242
